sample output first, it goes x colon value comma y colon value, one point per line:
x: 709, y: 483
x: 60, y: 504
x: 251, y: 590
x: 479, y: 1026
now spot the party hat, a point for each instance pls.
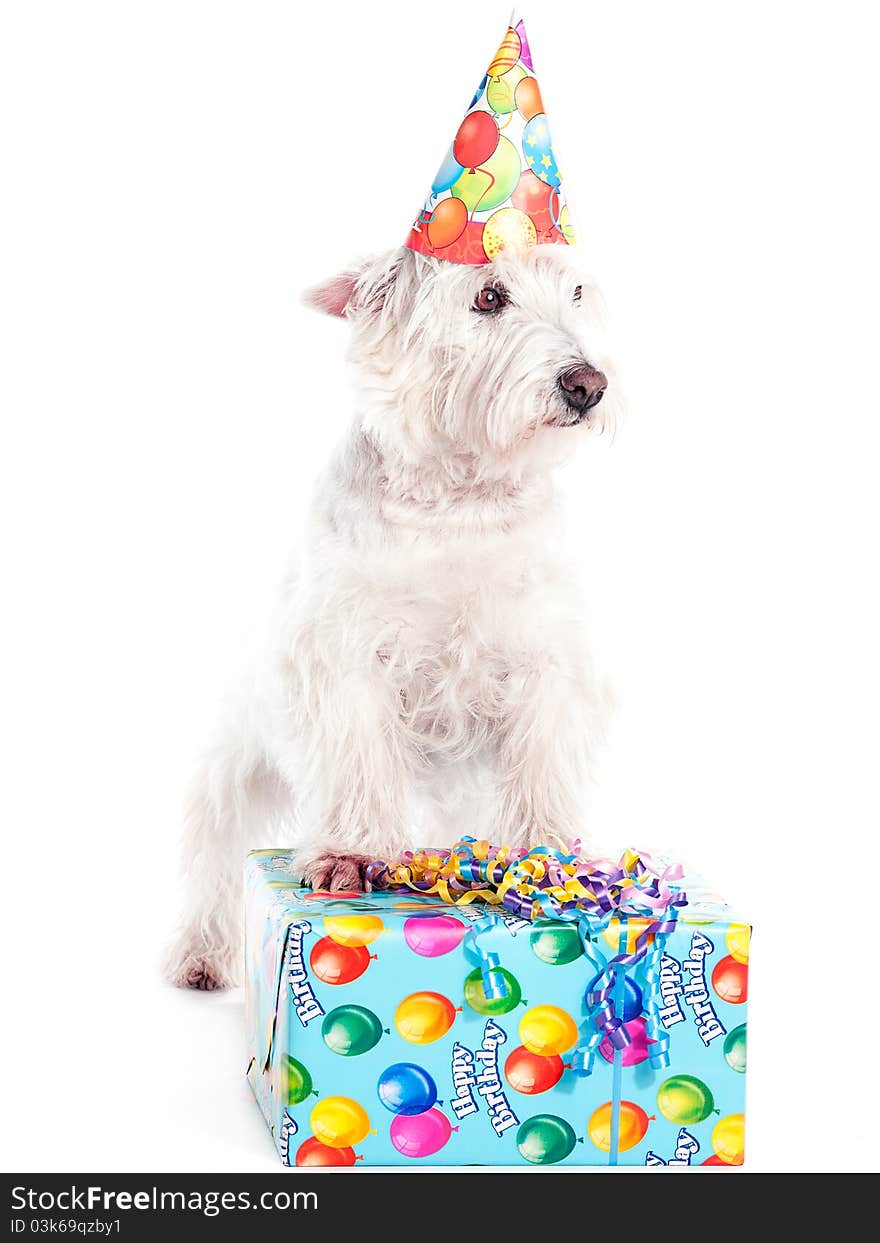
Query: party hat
x: 499, y: 184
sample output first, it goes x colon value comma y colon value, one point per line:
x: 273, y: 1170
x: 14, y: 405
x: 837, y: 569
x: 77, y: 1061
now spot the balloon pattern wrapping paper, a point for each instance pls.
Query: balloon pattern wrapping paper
x: 372, y: 1040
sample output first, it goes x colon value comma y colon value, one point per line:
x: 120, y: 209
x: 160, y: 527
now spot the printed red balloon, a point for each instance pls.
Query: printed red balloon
x: 730, y: 979
x: 476, y: 139
x: 533, y: 196
x: 338, y: 964
x: 530, y: 1073
x: 447, y: 223
x: 715, y: 1160
x: 313, y: 1152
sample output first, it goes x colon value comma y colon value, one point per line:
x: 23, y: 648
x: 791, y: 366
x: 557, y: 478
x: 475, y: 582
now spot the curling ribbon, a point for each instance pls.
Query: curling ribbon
x: 494, y: 983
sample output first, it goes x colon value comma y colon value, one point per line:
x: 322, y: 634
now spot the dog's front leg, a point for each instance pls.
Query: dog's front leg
x: 360, y: 767
x: 545, y: 744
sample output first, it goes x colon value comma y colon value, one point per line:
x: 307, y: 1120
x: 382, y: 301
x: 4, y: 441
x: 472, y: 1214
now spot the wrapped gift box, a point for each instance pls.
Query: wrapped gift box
x: 375, y: 1035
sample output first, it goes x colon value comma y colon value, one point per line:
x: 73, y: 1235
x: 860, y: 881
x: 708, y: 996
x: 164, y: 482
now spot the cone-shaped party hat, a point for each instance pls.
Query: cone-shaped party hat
x: 499, y: 184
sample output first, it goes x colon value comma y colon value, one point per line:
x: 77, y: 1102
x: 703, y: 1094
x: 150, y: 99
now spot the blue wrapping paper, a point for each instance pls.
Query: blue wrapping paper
x: 390, y: 1029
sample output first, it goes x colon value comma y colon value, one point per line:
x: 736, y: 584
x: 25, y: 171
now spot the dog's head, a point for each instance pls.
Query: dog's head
x: 502, y: 363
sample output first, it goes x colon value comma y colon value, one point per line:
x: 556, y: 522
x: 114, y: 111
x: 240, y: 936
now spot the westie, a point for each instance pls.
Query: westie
x: 428, y: 675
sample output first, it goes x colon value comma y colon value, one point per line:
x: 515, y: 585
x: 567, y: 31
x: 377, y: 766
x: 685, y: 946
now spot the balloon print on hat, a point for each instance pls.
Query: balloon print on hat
x: 525, y: 52
x: 530, y: 1073
x: 492, y: 182
x: 547, y: 1029
x: 353, y: 929
x: 434, y: 935
x: 424, y: 1017
x: 501, y: 92
x: 540, y: 202
x: 476, y: 139
x: 351, y: 1030
x: 446, y: 223
x: 685, y: 1100
x: 339, y: 1122
x: 555, y: 942
x: 450, y: 170
x: 421, y: 1135
x: 527, y: 98
x: 313, y: 1152
x: 507, y: 55
x: 333, y: 963
x: 538, y: 149
x: 730, y: 979
x: 508, y: 229
x: 545, y: 1139
x: 565, y: 227
x: 295, y: 1081
x: 475, y: 994
x: 735, y: 1049
x: 729, y: 1139
x: 407, y: 1089
x: 636, y: 1051
x: 633, y: 1126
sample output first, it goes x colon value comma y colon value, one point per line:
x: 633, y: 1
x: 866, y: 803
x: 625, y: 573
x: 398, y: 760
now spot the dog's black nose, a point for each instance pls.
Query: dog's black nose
x: 582, y: 387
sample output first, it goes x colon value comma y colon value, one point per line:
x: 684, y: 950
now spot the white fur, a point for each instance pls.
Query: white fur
x: 428, y: 675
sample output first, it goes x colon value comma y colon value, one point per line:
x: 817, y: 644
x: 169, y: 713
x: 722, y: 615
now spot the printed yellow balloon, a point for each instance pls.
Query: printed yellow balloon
x: 565, y: 227
x: 546, y: 1030
x: 507, y: 55
x: 508, y: 228
x: 634, y: 927
x: 633, y: 1126
x: 729, y: 1139
x: 339, y: 1122
x: 353, y: 929
x: 424, y: 1017
x: 738, y: 942
x: 501, y: 92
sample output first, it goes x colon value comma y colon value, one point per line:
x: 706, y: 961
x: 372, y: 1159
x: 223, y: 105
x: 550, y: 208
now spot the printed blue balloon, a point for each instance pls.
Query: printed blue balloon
x: 538, y: 150
x: 478, y: 92
x: 406, y: 1089
x: 448, y: 172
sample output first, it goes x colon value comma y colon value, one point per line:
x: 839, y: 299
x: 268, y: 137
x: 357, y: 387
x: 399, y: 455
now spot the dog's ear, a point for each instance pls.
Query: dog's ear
x: 332, y: 296
x: 364, y: 287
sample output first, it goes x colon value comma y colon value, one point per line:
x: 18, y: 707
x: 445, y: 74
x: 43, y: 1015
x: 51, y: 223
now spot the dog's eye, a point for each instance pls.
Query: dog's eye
x: 490, y: 298
x: 578, y: 293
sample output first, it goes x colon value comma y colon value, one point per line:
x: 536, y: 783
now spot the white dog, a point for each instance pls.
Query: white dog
x: 427, y: 675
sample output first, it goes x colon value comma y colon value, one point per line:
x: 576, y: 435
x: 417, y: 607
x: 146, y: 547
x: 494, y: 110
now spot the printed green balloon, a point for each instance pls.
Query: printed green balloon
x: 485, y: 187
x: 501, y: 92
x: 296, y: 1082
x: 684, y: 1100
x: 351, y: 1030
x: 556, y: 943
x: 735, y: 1049
x: 545, y: 1139
x: 476, y: 998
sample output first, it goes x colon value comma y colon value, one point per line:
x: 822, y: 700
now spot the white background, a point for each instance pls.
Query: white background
x: 173, y: 173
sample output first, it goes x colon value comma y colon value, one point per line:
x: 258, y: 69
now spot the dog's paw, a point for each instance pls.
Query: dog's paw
x: 332, y: 872
x: 190, y: 965
x: 201, y: 974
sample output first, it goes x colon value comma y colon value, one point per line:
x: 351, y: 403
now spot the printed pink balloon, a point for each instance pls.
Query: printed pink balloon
x: 433, y: 935
x: 420, y: 1135
x: 636, y: 1051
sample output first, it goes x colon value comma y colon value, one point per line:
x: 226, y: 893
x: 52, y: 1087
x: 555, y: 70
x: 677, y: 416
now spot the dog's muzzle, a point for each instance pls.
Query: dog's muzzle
x: 582, y: 388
